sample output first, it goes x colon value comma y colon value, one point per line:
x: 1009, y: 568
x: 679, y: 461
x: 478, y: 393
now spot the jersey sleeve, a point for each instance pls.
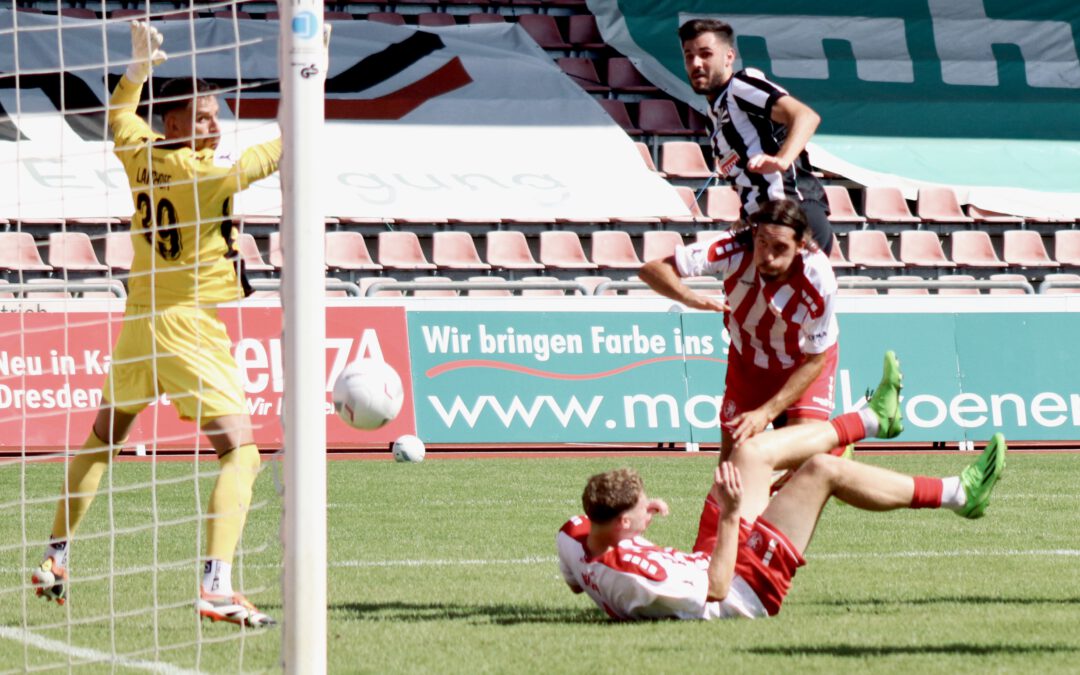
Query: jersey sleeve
x: 127, y: 127
x: 256, y: 163
x: 753, y: 92
x: 821, y: 329
x: 720, y: 257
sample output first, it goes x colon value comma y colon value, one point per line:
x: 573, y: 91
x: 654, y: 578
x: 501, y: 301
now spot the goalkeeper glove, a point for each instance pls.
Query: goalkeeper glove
x: 146, y: 51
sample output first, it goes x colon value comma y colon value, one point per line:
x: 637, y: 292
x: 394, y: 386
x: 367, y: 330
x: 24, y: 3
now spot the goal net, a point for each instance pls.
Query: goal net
x: 157, y: 230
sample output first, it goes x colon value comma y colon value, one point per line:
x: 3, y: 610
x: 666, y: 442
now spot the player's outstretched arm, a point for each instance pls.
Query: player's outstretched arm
x: 146, y: 53
x: 727, y: 483
x: 662, y: 276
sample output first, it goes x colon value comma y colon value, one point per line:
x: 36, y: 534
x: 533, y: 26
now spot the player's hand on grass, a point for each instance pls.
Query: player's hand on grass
x: 766, y: 164
x: 748, y: 424
x: 658, y: 507
x: 146, y: 51
x: 727, y: 483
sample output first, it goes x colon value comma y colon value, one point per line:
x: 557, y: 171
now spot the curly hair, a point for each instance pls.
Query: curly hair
x: 608, y: 495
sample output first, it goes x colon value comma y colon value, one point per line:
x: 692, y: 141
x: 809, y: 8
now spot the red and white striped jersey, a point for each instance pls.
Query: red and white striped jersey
x: 771, y: 324
x: 639, y: 580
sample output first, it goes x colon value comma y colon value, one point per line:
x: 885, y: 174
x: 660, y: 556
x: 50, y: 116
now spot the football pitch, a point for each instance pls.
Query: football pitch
x: 449, y: 567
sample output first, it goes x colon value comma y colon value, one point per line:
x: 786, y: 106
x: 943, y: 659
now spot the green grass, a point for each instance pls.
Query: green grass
x: 477, y: 589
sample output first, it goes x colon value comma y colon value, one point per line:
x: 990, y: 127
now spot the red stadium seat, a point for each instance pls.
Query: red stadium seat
x: 74, y: 252
x: 623, y: 77
x: 958, y: 291
x: 992, y: 217
x: 1067, y: 247
x: 870, y: 248
x: 683, y: 159
x: 401, y: 251
x: 921, y: 248
x: 1063, y: 290
x: 582, y: 32
x: 478, y: 18
x: 696, y: 122
x: 19, y: 253
x: 348, y: 251
x: 543, y: 29
x: 51, y: 289
x: 939, y: 205
x: 1007, y: 291
x: 613, y: 249
x: 541, y: 291
x: 366, y: 282
x: 118, y: 251
x: 583, y: 72
x: 431, y: 293
x: 249, y: 253
x: 907, y: 291
x: 689, y: 199
x: 389, y: 18
x: 493, y: 293
x: 722, y: 203
x: 509, y: 250
x: 646, y: 156
x: 77, y: 12
x: 618, y: 112
x: 456, y: 251
x: 887, y: 205
x: 660, y: 116
x: 705, y: 236
x: 841, y: 210
x: 1024, y: 248
x: 973, y: 249
x: 657, y: 244
x: 590, y: 282
x: 561, y: 249
x: 435, y: 20
x: 127, y: 13
x: 836, y: 256
x: 856, y: 291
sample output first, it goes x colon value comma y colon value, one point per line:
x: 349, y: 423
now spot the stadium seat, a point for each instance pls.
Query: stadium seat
x: 544, y: 29
x: 77, y: 13
x: 509, y: 250
x: 118, y: 251
x: 73, y: 252
x: 561, y: 249
x: 992, y: 217
x: 582, y: 32
x: 856, y: 291
x: 273, y: 250
x: 334, y: 16
x: 646, y: 156
x: 540, y: 291
x: 493, y: 293
x: 19, y: 253
x: 617, y: 111
x: 907, y: 291
x: 836, y: 256
x: 870, y: 248
x: 432, y: 293
x: 590, y: 282
x: 656, y: 244
x: 456, y: 251
x: 366, y: 282
x: 696, y: 122
x: 4, y: 293
x: 1007, y: 291
x: 613, y: 249
x: 1062, y: 277
x: 401, y: 251
x: 435, y: 20
x: 939, y: 205
x: 1024, y: 248
x: 348, y: 251
x: 958, y: 291
x: 481, y: 18
x: 887, y: 205
x: 683, y: 159
x: 623, y: 77
x: 225, y: 14
x: 249, y: 253
x: 690, y: 200
x: 51, y: 289
x: 127, y: 13
x: 722, y: 203
x: 583, y: 72
x: 973, y: 248
x: 922, y: 248
x: 179, y: 16
x: 841, y: 210
x: 705, y: 236
x: 660, y: 116
x: 389, y: 18
x: 1067, y: 247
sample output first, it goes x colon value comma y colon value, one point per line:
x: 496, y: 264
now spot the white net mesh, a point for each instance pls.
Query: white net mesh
x: 70, y: 268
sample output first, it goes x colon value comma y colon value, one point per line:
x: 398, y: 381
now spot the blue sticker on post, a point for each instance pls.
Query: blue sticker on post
x: 304, y: 25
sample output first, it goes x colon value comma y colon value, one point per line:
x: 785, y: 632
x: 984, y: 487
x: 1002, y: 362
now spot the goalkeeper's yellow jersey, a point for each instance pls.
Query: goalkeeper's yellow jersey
x: 181, y: 230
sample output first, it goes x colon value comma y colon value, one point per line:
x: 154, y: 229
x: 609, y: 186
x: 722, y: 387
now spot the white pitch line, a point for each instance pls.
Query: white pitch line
x: 56, y: 646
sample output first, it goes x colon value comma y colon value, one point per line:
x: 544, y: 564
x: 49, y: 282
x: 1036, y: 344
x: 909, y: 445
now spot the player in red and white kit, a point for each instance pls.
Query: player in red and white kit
x: 779, y: 313
x: 748, y: 547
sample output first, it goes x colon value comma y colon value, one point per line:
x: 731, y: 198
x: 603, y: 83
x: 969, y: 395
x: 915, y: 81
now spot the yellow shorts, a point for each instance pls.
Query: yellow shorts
x: 181, y: 351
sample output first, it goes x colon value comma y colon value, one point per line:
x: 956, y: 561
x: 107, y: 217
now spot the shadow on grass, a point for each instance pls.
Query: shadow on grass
x: 943, y: 600
x: 496, y: 614
x: 951, y: 649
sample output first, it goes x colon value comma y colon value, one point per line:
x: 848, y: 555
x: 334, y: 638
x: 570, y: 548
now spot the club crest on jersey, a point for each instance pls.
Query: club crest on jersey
x: 729, y: 409
x: 755, y: 541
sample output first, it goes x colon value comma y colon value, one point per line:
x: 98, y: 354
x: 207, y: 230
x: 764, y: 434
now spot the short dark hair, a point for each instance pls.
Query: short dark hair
x: 695, y: 27
x: 178, y: 93
x: 608, y: 495
x: 782, y: 212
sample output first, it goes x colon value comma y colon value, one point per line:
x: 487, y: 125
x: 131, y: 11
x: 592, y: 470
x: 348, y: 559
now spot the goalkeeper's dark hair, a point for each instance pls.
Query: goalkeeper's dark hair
x: 178, y: 93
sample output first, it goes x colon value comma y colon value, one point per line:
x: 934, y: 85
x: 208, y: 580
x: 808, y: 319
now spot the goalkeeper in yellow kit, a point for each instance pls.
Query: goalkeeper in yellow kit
x: 172, y: 340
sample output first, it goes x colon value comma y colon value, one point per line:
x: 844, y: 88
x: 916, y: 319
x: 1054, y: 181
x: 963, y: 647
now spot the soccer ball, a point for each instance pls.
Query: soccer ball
x: 368, y: 394
x: 409, y: 448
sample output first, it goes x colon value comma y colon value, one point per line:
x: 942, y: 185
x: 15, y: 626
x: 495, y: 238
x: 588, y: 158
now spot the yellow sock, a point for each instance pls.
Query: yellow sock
x: 229, y: 502
x: 83, y: 477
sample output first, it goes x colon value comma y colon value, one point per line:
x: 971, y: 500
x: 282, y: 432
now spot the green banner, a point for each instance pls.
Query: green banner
x: 641, y: 377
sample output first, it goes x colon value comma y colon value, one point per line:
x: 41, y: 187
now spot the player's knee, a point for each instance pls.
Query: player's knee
x: 825, y: 468
x: 247, y: 456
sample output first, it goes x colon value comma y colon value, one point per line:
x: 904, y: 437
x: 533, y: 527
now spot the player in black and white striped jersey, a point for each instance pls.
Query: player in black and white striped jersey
x: 758, y: 131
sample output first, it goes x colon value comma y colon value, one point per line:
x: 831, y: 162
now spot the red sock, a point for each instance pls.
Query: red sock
x: 927, y: 493
x: 849, y: 427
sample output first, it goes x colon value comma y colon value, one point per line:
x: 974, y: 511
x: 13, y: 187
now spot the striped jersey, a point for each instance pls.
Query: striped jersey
x: 639, y: 580
x: 771, y: 324
x: 181, y: 231
x: 740, y: 127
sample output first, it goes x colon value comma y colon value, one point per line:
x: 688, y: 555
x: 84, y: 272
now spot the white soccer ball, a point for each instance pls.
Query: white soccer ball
x: 368, y: 394
x: 409, y: 448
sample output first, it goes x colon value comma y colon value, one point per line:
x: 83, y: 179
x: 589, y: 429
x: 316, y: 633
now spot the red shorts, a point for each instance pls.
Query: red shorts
x: 747, y: 387
x: 767, y: 560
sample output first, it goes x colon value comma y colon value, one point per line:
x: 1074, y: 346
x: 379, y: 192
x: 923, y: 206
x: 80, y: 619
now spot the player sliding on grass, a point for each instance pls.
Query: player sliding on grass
x: 748, y: 548
x: 172, y: 340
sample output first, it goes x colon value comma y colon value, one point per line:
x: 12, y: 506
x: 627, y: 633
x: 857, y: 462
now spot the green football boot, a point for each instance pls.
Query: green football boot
x: 885, y: 400
x: 980, y: 478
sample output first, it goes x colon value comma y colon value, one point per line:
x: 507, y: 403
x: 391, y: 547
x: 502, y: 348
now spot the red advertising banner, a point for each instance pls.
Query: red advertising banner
x: 52, y: 366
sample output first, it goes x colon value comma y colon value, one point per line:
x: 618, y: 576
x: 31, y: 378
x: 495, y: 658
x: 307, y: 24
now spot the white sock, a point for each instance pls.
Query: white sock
x: 57, y: 549
x: 952, y: 493
x: 217, y: 577
x: 870, y: 422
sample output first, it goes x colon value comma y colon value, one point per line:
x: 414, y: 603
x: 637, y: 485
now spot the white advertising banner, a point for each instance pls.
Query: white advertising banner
x: 459, y: 122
